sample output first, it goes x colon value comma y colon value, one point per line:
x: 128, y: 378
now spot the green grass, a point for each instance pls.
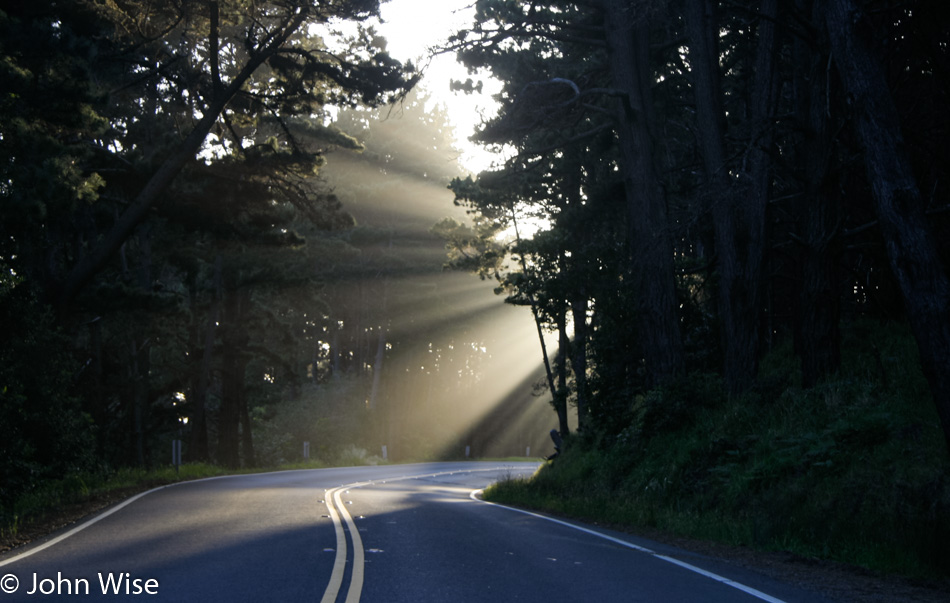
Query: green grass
x: 854, y: 470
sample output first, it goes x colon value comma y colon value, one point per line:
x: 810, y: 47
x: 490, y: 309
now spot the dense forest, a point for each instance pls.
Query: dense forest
x: 226, y: 221
x: 714, y: 177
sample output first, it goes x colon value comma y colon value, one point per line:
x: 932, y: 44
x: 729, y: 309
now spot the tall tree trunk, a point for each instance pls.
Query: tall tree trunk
x: 380, y: 355
x: 228, y: 420
x: 560, y: 364
x: 244, y: 416
x: 818, y: 301
x: 738, y: 322
x: 201, y: 380
x: 140, y: 356
x: 378, y: 368
x: 911, y: 248
x: 579, y: 354
x: 99, y: 406
x: 574, y: 269
x: 539, y: 325
x: 650, y: 264
x: 755, y: 204
x: 336, y: 369
x: 234, y: 340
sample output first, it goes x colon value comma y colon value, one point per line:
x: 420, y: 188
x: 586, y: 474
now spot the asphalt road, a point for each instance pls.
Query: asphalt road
x: 376, y: 534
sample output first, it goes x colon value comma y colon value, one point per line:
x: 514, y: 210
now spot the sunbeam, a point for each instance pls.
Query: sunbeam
x: 437, y: 364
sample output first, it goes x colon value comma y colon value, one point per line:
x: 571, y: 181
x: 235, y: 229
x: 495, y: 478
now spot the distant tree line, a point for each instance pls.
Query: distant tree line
x: 710, y: 177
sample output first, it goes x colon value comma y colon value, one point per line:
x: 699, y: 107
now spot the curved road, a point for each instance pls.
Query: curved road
x: 398, y: 533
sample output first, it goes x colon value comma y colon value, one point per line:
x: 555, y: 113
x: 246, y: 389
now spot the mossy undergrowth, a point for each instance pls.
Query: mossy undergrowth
x: 853, y: 470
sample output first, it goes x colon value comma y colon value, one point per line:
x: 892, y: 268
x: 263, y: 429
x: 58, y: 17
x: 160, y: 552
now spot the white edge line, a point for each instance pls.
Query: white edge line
x: 722, y: 580
x: 79, y: 528
x: 26, y: 553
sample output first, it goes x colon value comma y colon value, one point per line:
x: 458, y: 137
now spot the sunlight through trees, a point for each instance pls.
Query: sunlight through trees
x: 250, y: 216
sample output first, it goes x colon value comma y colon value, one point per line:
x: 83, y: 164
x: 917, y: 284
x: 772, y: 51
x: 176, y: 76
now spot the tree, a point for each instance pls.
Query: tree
x: 651, y: 248
x: 911, y: 248
x: 578, y: 97
x: 738, y: 213
x: 48, y: 114
x: 212, y: 56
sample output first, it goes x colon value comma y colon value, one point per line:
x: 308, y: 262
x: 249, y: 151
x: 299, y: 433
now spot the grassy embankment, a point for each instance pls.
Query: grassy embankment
x: 854, y: 470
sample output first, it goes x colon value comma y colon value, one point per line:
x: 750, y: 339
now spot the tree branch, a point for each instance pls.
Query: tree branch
x: 89, y: 265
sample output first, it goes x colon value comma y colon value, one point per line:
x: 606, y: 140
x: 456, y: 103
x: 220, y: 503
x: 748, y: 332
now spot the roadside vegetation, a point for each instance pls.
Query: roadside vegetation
x: 853, y: 470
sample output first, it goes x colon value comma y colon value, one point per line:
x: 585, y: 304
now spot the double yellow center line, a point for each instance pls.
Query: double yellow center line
x: 337, y: 510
